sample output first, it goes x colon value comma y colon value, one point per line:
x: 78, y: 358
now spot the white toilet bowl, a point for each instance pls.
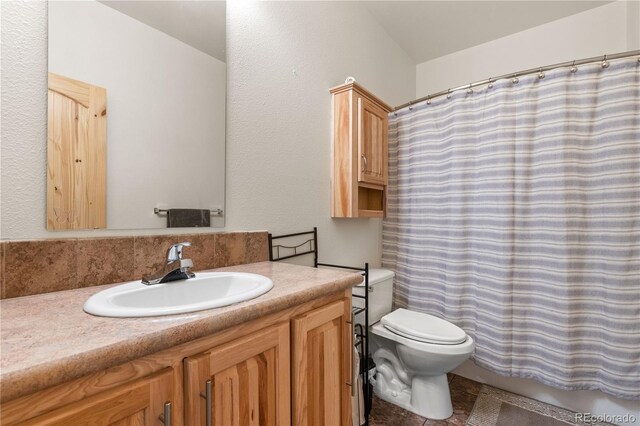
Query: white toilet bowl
x: 413, y: 353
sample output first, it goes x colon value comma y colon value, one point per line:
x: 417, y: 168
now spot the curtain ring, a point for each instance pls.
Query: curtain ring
x: 605, y: 64
x: 573, y: 68
x: 428, y: 100
x: 410, y: 107
x: 515, y: 79
x: 448, y: 93
x: 490, y: 85
x: 540, y: 74
x: 395, y: 113
x: 469, y: 90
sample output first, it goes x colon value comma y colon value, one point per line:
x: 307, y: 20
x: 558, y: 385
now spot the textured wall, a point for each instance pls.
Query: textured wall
x: 606, y: 29
x: 282, y: 58
x: 23, y: 69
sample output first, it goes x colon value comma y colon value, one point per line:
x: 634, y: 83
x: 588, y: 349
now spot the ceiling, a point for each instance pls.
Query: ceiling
x: 424, y: 29
x: 430, y: 29
x: 198, y: 23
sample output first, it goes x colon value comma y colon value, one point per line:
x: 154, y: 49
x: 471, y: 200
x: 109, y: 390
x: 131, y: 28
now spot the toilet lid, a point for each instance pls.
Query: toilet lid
x: 423, y: 327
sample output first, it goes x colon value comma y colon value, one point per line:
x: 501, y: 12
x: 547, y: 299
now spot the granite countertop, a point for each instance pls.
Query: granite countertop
x: 47, y: 339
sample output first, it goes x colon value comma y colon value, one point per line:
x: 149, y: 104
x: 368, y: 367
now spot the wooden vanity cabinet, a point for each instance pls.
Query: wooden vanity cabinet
x: 360, y: 152
x: 288, y: 367
x: 245, y: 382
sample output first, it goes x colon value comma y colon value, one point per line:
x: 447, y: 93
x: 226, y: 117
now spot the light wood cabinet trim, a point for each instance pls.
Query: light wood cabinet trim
x: 317, y: 317
x: 344, y: 167
x: 363, y: 92
x: 38, y: 403
x: 371, y: 213
x: 195, y: 373
x: 371, y: 186
x: 127, y: 403
x: 347, y: 360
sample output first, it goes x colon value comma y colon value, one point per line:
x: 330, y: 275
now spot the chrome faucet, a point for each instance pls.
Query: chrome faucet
x: 176, y: 268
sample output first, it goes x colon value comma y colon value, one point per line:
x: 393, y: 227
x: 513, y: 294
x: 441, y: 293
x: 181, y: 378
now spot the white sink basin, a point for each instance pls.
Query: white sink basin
x: 207, y: 290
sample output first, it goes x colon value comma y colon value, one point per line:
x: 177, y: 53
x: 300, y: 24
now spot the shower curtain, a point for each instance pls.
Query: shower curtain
x: 514, y: 212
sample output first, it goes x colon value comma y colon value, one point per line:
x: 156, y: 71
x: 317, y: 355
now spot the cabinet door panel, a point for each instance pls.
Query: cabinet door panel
x: 372, y: 143
x: 249, y: 381
x: 321, y: 366
x: 139, y: 403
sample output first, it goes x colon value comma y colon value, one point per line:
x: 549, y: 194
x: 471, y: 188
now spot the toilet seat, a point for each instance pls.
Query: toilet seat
x: 428, y: 348
x: 423, y: 327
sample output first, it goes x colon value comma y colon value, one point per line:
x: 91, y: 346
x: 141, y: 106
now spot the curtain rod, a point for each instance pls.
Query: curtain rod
x: 515, y: 75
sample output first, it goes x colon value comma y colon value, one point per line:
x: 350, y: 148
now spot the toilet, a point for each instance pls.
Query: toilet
x: 413, y: 351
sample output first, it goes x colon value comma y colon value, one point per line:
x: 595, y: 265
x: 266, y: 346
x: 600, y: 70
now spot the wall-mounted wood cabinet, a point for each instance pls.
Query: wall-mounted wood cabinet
x: 360, y: 153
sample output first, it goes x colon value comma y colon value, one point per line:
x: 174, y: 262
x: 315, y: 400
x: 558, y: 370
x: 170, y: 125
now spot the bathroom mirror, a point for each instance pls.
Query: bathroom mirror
x: 136, y: 122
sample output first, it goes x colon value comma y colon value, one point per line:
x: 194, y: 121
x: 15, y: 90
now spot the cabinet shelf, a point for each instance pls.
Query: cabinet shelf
x: 371, y: 202
x: 370, y: 213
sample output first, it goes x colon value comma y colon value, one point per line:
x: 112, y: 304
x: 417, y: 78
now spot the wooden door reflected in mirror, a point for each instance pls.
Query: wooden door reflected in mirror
x: 76, y: 155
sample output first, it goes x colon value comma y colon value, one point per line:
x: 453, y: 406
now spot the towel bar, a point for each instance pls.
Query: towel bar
x: 214, y: 212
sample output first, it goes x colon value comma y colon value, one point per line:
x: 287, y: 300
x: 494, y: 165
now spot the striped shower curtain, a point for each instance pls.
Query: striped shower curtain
x: 514, y: 212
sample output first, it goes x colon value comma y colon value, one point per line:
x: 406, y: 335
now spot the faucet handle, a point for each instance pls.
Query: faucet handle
x: 175, y: 251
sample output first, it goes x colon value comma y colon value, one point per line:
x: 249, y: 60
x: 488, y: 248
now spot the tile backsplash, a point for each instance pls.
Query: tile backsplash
x: 42, y: 266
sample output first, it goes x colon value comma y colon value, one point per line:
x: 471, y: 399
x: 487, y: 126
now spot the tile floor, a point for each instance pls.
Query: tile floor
x: 463, y: 395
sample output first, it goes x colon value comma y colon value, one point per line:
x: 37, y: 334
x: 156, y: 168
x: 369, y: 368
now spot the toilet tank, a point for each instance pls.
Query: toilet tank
x: 380, y: 294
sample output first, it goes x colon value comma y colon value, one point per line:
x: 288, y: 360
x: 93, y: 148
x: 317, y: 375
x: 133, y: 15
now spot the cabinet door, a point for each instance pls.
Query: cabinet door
x: 249, y: 381
x: 321, y: 358
x: 138, y: 403
x: 372, y: 143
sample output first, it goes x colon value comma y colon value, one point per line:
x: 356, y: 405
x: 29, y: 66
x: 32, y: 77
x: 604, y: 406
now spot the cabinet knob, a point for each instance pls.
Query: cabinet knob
x: 364, y: 163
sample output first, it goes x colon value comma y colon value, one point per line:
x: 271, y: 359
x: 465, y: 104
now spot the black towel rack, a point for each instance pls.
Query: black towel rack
x: 309, y: 246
